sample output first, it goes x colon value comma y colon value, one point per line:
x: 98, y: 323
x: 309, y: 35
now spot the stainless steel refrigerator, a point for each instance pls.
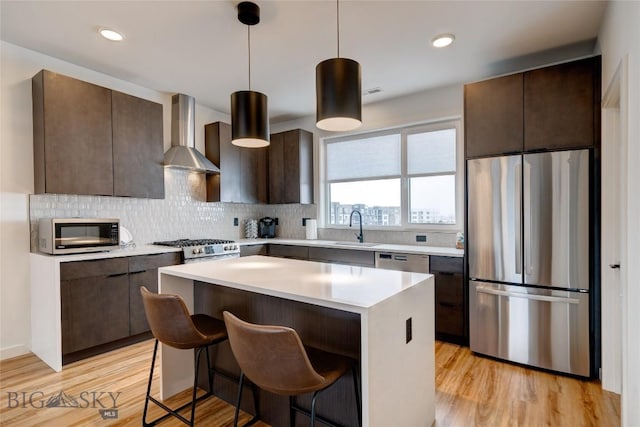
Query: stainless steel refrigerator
x: 528, y: 236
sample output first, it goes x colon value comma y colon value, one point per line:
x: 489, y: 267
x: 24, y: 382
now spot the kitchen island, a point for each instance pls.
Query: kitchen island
x: 383, y: 318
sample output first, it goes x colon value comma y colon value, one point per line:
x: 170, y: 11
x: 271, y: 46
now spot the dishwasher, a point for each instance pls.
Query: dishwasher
x: 414, y: 263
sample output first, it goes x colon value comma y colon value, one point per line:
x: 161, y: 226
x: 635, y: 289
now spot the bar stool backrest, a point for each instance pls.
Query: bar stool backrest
x: 272, y: 357
x: 170, y: 321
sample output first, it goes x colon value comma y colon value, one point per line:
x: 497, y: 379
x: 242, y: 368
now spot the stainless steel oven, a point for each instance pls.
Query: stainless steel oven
x: 199, y: 250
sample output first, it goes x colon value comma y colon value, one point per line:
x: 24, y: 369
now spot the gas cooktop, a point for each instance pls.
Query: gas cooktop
x: 204, y: 249
x: 183, y: 243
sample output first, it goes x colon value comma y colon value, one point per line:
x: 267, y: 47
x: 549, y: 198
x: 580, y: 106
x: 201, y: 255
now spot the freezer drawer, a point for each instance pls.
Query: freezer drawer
x: 538, y: 327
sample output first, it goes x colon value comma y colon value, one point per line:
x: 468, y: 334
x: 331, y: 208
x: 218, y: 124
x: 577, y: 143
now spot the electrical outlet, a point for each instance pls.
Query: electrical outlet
x: 421, y: 238
x: 409, y: 331
x: 235, y: 222
x: 276, y: 221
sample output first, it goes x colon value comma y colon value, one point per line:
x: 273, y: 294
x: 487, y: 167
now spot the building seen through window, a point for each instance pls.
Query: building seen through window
x: 367, y: 172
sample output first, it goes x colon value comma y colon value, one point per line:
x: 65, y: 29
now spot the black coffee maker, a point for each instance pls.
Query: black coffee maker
x: 267, y: 227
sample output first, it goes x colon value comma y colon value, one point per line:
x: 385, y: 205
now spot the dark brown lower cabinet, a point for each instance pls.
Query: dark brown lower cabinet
x: 289, y: 251
x: 343, y: 256
x: 143, y: 271
x: 248, y: 250
x: 95, y: 303
x: 450, y: 299
x: 101, y: 302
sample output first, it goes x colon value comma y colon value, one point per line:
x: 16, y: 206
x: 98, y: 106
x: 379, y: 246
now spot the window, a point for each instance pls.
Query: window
x: 400, y: 178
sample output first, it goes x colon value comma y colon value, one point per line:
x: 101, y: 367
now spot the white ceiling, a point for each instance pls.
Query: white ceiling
x: 200, y: 48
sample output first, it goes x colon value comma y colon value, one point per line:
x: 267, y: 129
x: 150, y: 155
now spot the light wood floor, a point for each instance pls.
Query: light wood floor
x: 471, y: 391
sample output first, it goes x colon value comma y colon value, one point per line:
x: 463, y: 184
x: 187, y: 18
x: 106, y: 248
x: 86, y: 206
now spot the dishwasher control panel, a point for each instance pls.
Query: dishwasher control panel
x: 414, y: 263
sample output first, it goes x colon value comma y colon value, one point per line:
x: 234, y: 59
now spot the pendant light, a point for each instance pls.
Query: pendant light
x: 249, y: 116
x: 338, y: 91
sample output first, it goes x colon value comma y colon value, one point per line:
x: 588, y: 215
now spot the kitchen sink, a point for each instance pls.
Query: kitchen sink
x: 356, y: 244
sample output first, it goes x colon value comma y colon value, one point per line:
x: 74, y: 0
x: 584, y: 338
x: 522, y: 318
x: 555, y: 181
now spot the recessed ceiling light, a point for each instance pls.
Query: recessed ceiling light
x: 110, y: 34
x: 443, y: 40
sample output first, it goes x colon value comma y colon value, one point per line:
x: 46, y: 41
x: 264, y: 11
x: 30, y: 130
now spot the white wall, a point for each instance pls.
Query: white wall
x: 18, y: 65
x: 16, y: 160
x: 619, y: 38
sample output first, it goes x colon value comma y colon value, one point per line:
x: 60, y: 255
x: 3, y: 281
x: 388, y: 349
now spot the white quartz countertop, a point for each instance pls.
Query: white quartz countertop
x: 344, y: 287
x: 372, y: 247
x: 130, y: 251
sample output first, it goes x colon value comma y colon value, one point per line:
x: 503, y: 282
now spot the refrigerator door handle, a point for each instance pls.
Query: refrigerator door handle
x: 566, y: 300
x: 518, y: 218
x: 527, y: 210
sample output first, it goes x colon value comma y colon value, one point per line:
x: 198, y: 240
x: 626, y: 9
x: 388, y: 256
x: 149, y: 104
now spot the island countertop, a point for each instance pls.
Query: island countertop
x: 345, y: 287
x: 382, y: 318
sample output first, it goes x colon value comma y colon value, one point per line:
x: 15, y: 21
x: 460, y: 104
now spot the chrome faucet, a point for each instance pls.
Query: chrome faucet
x: 359, y: 236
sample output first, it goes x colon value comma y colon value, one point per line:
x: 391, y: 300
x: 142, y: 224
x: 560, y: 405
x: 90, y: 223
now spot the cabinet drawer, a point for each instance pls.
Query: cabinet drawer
x: 449, y: 320
x: 94, y: 268
x: 148, y: 262
x: 445, y: 264
x: 289, y: 251
x: 449, y: 287
x: 343, y: 256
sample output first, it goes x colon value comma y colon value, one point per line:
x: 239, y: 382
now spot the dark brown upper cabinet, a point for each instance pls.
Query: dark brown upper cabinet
x: 91, y: 140
x: 493, y: 116
x: 291, y: 167
x: 556, y: 107
x: 138, y: 154
x: 243, y: 171
x: 71, y: 136
x: 562, y: 106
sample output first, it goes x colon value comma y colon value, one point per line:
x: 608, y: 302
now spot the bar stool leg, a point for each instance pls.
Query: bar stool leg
x: 292, y: 413
x: 195, y: 384
x: 356, y: 386
x: 313, y: 408
x: 210, y: 372
x: 240, y: 384
x: 146, y: 400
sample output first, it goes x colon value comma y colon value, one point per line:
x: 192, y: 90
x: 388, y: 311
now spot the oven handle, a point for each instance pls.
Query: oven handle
x: 210, y: 258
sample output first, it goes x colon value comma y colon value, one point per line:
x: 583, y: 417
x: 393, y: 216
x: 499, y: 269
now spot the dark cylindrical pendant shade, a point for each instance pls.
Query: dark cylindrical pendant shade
x: 249, y: 119
x: 338, y: 95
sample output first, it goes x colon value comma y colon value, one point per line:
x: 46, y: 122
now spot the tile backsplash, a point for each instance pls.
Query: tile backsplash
x: 184, y: 213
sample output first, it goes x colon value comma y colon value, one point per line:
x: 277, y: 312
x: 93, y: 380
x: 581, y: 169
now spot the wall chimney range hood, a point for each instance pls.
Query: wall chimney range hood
x: 183, y: 153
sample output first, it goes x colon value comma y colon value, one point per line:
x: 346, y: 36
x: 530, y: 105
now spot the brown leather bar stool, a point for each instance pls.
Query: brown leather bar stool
x: 172, y: 325
x: 274, y: 359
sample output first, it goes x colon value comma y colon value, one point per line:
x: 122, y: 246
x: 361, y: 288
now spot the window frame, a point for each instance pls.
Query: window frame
x: 404, y: 131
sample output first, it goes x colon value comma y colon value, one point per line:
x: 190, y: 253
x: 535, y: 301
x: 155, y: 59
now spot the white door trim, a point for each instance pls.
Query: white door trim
x: 613, y: 229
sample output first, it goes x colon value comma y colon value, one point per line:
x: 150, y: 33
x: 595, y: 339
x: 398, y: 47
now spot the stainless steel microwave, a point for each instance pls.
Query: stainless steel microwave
x: 78, y: 235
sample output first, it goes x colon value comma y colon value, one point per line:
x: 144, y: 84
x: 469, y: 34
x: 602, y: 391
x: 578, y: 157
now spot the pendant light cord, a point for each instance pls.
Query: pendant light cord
x: 249, y: 45
x: 338, y: 26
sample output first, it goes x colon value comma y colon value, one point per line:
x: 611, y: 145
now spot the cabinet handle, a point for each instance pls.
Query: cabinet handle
x: 614, y: 265
x: 117, y: 275
x: 138, y: 272
x: 444, y: 273
x: 449, y: 304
